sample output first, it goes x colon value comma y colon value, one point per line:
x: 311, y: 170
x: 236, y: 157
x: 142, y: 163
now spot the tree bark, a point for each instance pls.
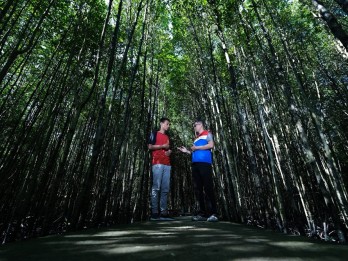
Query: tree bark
x: 331, y: 21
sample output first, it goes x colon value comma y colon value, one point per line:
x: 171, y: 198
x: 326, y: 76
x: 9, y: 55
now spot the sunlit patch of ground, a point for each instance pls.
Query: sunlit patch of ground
x: 182, y: 239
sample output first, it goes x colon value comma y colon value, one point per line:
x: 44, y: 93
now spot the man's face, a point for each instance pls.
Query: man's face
x: 165, y: 125
x: 198, y: 126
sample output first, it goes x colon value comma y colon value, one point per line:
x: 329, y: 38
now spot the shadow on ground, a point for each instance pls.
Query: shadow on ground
x: 174, y: 240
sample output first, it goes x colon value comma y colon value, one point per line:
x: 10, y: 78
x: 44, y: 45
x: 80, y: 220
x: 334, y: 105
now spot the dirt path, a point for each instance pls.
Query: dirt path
x: 176, y: 240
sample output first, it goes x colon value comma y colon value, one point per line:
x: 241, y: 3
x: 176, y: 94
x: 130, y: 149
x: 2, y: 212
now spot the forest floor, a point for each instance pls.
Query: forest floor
x: 181, y: 239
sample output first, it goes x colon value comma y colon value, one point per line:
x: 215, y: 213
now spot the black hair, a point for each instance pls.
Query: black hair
x: 163, y: 119
x: 201, y: 120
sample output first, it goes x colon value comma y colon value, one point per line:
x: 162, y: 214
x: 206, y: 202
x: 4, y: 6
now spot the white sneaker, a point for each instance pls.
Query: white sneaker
x: 198, y: 218
x: 212, y: 218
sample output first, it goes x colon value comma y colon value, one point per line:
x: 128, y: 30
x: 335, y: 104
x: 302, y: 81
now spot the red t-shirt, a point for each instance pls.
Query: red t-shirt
x: 159, y: 156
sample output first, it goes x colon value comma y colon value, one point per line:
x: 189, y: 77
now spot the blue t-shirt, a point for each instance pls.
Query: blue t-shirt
x: 204, y: 156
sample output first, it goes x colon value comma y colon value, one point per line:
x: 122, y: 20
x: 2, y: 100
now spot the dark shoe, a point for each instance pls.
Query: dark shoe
x: 154, y: 217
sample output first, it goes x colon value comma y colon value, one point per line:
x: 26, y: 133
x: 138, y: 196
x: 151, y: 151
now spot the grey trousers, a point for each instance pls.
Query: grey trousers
x: 160, y: 187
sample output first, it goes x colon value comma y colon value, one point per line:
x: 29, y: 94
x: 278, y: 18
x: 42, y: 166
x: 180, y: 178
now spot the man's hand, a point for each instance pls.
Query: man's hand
x: 168, y: 152
x: 184, y: 150
x: 194, y: 148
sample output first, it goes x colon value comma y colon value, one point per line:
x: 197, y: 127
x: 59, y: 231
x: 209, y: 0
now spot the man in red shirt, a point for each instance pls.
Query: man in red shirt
x: 159, y: 145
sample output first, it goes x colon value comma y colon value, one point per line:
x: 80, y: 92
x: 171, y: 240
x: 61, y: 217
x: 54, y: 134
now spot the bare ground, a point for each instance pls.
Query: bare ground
x: 182, y: 239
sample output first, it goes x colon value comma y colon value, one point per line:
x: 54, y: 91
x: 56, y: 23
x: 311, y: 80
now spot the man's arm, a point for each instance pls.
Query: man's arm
x: 158, y: 147
x: 208, y: 146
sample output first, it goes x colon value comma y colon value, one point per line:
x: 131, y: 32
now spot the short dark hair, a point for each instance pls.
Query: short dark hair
x: 163, y: 119
x: 200, y: 120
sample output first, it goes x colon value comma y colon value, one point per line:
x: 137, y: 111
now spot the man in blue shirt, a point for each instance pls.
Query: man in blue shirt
x: 202, y: 173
